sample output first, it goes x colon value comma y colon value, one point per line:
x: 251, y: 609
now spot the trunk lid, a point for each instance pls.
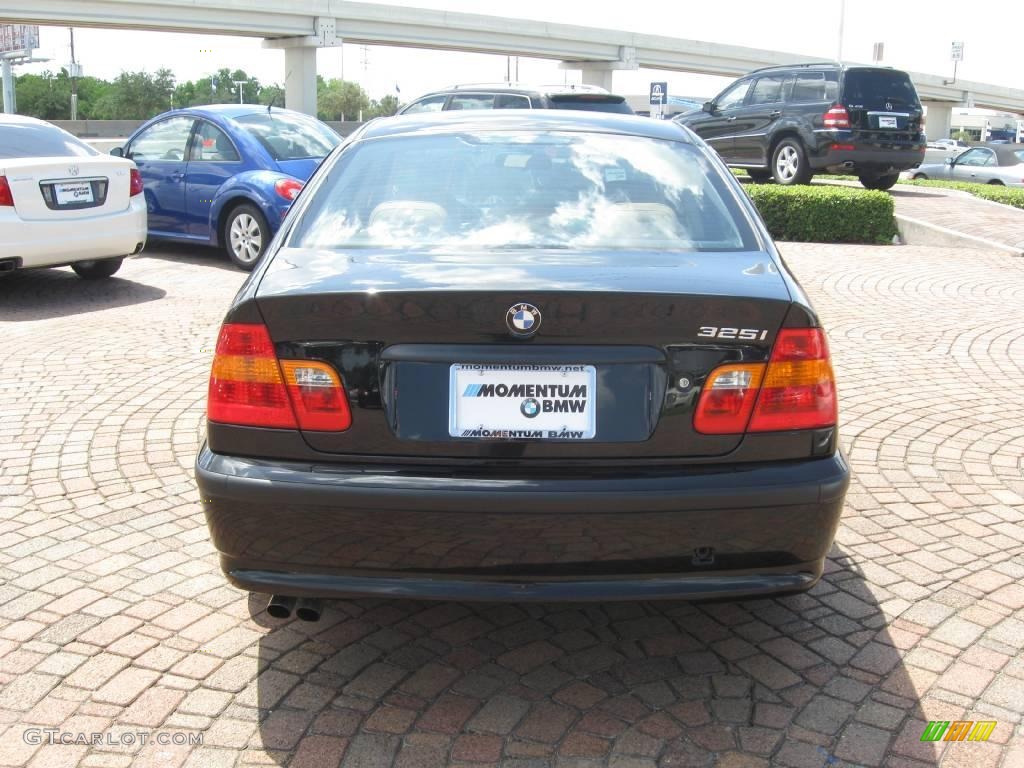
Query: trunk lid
x: 66, y: 188
x: 301, y: 169
x: 649, y: 327
x: 882, y: 102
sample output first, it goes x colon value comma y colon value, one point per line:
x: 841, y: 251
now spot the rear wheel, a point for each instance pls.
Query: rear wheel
x: 246, y: 236
x: 997, y: 182
x: 921, y: 176
x: 879, y: 182
x: 96, y: 270
x: 789, y: 163
x: 758, y: 175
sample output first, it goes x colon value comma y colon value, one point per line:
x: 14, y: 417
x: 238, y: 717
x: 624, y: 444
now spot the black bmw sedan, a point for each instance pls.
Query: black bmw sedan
x: 530, y: 356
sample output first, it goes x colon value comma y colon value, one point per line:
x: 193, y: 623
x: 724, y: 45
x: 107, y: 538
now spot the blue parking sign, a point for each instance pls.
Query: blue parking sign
x: 659, y: 93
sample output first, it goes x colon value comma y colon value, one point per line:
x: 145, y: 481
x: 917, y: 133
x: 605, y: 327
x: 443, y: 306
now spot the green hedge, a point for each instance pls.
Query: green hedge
x: 825, y: 214
x: 1006, y: 195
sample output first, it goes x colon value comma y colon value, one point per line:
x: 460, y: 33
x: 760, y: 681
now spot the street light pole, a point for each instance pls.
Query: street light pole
x: 842, y: 22
x: 240, y: 83
x: 74, y: 77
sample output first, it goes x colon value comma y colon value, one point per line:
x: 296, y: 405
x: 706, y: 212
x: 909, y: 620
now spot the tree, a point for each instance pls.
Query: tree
x: 272, y: 95
x: 46, y: 96
x: 340, y: 100
x: 218, y: 88
x: 137, y: 96
x: 386, y: 107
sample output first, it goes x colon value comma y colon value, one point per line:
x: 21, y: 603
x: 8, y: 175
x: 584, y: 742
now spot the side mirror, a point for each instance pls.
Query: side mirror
x: 709, y: 107
x: 950, y: 160
x: 117, y: 151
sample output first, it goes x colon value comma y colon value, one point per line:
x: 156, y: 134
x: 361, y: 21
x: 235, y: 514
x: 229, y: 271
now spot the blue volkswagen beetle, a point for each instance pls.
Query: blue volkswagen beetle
x: 226, y: 174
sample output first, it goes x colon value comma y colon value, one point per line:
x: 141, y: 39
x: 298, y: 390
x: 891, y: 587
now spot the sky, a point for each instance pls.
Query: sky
x: 915, y: 36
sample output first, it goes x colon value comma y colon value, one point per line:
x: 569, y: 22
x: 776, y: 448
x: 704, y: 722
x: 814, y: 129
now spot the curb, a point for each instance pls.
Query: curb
x: 917, y: 232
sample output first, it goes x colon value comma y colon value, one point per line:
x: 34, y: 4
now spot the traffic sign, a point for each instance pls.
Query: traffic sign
x: 659, y: 93
x: 957, y: 52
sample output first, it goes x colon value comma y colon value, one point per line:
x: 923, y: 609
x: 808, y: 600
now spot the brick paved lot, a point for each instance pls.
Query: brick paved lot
x: 114, y: 617
x: 962, y: 212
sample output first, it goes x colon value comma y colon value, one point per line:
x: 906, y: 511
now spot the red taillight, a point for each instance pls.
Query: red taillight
x: 799, y: 390
x: 727, y: 399
x: 246, y: 386
x: 250, y: 387
x: 135, y: 183
x: 6, y: 198
x: 317, y: 396
x: 837, y: 117
x: 288, y: 188
x: 842, y: 147
x: 796, y: 389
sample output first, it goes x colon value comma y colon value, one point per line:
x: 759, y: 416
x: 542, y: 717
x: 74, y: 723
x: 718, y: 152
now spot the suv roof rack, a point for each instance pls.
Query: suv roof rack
x: 557, y: 88
x: 795, y: 66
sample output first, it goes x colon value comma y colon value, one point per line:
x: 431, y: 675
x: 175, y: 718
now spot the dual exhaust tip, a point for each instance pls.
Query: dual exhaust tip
x: 305, y: 608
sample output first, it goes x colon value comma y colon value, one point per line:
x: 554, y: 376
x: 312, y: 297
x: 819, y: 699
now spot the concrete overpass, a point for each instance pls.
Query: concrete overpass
x: 301, y: 26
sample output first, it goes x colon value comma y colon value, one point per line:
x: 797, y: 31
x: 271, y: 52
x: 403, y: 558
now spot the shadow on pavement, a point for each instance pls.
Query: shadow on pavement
x: 814, y: 679
x: 200, y: 255
x: 41, y: 294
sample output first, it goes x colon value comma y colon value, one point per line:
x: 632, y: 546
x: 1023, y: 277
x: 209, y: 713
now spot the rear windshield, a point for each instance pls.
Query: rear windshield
x: 524, y: 190
x: 590, y: 103
x: 874, y: 88
x: 40, y: 140
x: 287, y: 137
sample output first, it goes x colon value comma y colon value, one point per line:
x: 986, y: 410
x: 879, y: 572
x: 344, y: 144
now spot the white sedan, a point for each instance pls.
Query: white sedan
x: 64, y: 203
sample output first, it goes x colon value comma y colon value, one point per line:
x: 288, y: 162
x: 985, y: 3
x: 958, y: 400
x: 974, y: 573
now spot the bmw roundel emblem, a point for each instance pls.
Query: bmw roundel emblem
x: 529, y: 408
x: 522, y: 319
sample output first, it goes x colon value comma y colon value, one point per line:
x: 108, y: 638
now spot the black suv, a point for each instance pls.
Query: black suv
x: 791, y: 121
x: 514, y: 96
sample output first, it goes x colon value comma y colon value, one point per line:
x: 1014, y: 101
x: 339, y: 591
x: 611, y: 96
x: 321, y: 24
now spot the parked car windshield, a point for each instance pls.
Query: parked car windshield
x: 873, y: 88
x: 287, y: 137
x: 524, y: 190
x: 40, y: 140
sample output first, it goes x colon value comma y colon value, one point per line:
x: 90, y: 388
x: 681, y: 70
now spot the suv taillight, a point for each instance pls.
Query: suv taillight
x: 6, y: 198
x: 796, y: 390
x: 250, y: 387
x: 837, y: 117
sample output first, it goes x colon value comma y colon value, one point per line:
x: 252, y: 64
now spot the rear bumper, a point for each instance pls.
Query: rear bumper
x: 880, y: 159
x: 47, y: 243
x: 404, y: 532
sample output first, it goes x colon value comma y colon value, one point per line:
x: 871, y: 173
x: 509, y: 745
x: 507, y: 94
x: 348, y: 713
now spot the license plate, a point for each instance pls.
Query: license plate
x: 522, y: 402
x: 887, y: 122
x: 73, y: 193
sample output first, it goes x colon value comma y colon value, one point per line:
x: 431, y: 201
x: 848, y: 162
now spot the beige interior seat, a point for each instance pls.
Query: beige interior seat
x: 407, y: 214
x: 654, y: 219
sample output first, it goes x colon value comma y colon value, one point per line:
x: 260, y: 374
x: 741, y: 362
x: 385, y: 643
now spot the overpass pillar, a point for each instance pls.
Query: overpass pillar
x: 600, y: 73
x: 938, y: 119
x: 300, y: 62
x: 595, y: 75
x: 10, y: 105
x: 300, y: 79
